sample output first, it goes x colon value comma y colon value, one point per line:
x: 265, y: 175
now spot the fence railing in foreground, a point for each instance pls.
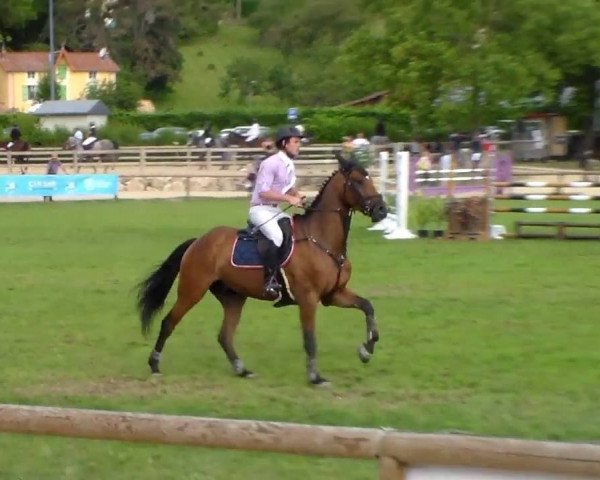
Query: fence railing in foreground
x: 397, y: 453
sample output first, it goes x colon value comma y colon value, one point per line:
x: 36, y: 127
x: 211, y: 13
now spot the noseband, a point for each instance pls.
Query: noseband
x: 366, y: 204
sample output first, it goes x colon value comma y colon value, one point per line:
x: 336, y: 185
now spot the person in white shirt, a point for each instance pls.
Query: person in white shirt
x: 360, y: 141
x: 254, y: 131
x: 78, y: 136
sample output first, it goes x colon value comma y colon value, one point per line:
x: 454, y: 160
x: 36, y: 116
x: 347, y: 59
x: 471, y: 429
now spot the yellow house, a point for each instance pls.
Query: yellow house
x: 20, y: 73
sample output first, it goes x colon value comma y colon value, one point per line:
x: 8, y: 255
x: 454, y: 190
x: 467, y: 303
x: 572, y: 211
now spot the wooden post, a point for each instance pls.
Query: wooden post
x: 143, y: 160
x: 9, y: 161
x: 188, y: 188
x: 391, y: 469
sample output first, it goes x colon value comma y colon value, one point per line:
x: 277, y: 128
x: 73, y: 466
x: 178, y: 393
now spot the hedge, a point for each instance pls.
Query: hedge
x: 326, y: 125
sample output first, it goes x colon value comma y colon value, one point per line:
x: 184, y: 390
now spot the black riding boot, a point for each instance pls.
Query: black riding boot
x: 271, y: 260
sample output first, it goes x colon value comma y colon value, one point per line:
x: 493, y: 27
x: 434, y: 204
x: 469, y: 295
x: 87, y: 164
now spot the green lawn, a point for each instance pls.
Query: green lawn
x: 495, y: 338
x: 205, y: 63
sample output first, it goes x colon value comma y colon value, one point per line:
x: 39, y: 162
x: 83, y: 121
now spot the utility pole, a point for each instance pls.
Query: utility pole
x: 238, y: 10
x: 51, y: 58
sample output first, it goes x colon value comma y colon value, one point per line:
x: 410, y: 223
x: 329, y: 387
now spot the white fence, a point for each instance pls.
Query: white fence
x: 399, y: 455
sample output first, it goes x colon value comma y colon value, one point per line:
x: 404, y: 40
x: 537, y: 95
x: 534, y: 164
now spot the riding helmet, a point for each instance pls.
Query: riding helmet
x: 287, y: 132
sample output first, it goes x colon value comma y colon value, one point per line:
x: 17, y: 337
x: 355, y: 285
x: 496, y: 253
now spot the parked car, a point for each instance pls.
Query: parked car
x: 177, y: 132
x: 243, y: 131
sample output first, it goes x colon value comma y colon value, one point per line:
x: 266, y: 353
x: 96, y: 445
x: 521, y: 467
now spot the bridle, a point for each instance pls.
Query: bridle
x: 366, y: 206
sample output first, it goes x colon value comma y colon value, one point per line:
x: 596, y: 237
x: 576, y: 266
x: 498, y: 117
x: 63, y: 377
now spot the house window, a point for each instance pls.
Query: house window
x: 31, y: 92
x: 92, y: 75
x: 31, y: 75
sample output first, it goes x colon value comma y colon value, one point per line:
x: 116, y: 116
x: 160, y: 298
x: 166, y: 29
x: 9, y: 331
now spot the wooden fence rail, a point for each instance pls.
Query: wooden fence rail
x: 396, y: 452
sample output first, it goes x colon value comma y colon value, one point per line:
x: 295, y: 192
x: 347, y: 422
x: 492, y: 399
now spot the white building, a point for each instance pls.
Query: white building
x: 70, y: 114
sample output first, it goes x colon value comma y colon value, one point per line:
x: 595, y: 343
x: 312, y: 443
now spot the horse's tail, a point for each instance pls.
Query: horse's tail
x: 154, y: 290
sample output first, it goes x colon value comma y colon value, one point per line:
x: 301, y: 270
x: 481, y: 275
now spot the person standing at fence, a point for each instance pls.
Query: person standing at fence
x: 268, y: 149
x: 275, y: 183
x: 53, y: 168
x: 15, y: 136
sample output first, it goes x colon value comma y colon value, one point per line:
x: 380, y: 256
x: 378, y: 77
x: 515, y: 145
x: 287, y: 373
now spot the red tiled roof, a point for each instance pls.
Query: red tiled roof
x: 38, y: 62
x: 88, y: 61
x: 24, y: 61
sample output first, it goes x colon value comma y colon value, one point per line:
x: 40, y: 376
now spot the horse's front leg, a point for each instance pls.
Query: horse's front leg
x: 308, y: 309
x: 346, y: 298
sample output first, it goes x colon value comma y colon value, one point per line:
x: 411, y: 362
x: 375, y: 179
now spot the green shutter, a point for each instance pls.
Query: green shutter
x: 62, y: 71
x: 25, y: 96
x: 62, y: 92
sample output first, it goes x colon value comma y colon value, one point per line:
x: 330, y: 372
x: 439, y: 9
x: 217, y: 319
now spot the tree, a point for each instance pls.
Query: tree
x: 463, y: 63
x: 243, y: 79
x: 120, y: 95
x: 145, y: 41
x: 14, y: 16
x: 44, y: 91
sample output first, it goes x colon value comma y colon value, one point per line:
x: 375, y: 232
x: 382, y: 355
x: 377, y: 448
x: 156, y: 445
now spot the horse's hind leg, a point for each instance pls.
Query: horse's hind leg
x: 189, y: 294
x: 232, y: 304
x: 346, y: 298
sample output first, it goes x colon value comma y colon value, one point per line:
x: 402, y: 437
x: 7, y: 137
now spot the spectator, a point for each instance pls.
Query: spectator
x: 53, y: 167
x: 360, y: 141
x: 347, y: 145
x: 15, y: 136
x: 424, y: 162
x: 254, y: 131
x: 380, y: 137
x: 268, y: 149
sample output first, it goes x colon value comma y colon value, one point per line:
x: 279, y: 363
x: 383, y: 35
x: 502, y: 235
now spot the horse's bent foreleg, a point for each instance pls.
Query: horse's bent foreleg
x: 308, y: 310
x: 346, y: 298
x: 232, y: 304
x: 187, y: 297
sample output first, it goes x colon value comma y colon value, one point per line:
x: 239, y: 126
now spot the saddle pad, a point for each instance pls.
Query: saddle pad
x: 244, y: 253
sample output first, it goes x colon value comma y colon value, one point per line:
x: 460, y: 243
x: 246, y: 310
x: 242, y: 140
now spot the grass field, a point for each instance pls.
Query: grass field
x: 496, y: 338
x: 205, y: 63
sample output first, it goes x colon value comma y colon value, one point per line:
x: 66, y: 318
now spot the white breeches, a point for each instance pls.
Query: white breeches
x: 266, y: 216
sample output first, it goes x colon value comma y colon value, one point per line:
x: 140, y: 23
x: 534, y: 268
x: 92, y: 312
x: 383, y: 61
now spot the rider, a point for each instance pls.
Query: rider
x: 91, y: 138
x: 275, y: 183
x: 78, y: 135
x: 15, y: 136
x: 254, y: 131
x: 208, y: 134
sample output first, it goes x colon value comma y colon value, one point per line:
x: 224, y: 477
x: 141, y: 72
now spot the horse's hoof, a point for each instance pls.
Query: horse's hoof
x: 246, y: 374
x: 363, y: 354
x: 319, y: 381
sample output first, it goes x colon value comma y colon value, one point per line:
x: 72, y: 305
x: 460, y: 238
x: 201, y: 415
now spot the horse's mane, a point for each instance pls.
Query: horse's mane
x: 315, y: 203
x: 348, y: 167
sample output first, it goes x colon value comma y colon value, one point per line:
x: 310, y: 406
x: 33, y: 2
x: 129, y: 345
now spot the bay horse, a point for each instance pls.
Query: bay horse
x: 17, y: 146
x: 318, y: 271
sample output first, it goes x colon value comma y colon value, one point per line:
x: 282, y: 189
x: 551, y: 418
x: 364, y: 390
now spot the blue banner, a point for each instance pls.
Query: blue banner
x: 58, y: 185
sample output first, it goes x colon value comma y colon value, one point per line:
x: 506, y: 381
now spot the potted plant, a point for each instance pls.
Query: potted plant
x: 440, y: 216
x: 423, y: 216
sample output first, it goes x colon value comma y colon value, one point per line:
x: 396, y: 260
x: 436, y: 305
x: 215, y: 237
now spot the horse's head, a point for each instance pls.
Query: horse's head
x: 359, y: 191
x: 70, y: 144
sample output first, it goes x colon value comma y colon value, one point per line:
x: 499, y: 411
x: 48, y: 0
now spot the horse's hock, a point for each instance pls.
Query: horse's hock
x: 467, y: 218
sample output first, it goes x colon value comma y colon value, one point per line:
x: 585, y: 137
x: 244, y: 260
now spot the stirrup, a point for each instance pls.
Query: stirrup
x: 272, y: 286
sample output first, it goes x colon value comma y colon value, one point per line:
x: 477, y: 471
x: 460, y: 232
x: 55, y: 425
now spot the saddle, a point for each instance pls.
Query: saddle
x: 89, y: 145
x: 247, y: 252
x: 249, y: 246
